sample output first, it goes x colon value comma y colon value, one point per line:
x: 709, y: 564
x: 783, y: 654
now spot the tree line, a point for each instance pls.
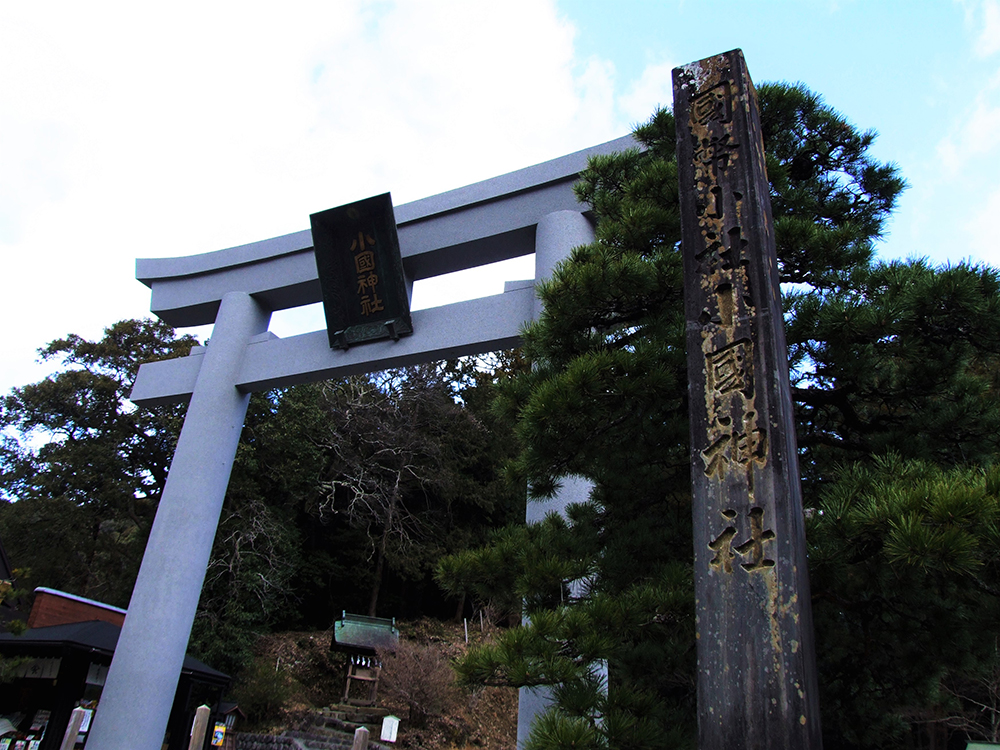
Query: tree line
x: 343, y: 495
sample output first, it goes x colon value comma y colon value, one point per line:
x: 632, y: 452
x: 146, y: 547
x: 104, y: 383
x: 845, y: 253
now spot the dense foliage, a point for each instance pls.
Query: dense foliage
x: 904, y: 559
x: 89, y: 466
x: 343, y: 494
x: 903, y: 359
x: 895, y: 357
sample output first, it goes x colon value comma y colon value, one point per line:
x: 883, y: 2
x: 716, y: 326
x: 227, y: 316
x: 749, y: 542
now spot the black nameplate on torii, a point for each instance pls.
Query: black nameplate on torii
x: 361, y: 272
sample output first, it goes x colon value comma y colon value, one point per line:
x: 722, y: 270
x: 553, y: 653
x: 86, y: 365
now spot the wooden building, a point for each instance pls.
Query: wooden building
x: 64, y: 658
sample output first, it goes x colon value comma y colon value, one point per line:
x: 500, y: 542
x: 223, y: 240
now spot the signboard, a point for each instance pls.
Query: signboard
x: 219, y: 735
x: 43, y: 669
x: 361, y: 272
x: 390, y: 727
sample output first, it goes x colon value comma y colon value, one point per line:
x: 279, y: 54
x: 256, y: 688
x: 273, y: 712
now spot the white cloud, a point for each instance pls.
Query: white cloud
x: 973, y: 138
x: 954, y: 192
x: 484, y: 87
x: 982, y: 18
x: 981, y: 245
x: 988, y: 41
x: 134, y: 130
x: 654, y: 88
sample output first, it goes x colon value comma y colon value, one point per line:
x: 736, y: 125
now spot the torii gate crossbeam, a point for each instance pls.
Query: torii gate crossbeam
x: 532, y: 210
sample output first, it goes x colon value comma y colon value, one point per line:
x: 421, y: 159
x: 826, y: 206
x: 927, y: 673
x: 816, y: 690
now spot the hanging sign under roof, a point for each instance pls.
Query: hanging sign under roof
x: 361, y: 272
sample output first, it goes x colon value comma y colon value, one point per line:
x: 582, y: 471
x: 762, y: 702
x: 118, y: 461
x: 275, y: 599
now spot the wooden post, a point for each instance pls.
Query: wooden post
x: 360, y: 739
x: 75, y: 722
x: 198, y: 728
x: 756, y: 662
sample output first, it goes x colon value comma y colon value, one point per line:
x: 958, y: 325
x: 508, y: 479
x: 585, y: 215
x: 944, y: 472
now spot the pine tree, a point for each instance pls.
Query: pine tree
x: 884, y: 356
x: 905, y: 359
x: 904, y: 559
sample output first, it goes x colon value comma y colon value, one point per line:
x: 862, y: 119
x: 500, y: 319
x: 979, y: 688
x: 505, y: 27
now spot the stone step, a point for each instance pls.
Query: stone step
x: 326, y: 732
x: 329, y: 723
x: 350, y: 710
x: 321, y: 741
x: 245, y: 741
x: 328, y: 740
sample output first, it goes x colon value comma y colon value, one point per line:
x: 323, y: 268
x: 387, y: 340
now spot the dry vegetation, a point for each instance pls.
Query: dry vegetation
x: 295, y: 674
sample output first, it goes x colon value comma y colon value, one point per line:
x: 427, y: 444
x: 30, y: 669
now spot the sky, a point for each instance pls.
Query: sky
x: 133, y: 130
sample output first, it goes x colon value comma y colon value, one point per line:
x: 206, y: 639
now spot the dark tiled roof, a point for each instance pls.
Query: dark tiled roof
x: 93, y: 635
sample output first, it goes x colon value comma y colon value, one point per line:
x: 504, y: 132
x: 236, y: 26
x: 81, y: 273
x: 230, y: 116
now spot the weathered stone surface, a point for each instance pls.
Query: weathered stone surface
x: 756, y: 663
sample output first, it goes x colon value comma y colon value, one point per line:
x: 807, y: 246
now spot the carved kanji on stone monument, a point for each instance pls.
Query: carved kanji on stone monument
x: 756, y: 664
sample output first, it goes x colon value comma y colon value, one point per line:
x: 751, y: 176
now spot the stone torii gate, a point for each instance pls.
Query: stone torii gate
x: 529, y: 211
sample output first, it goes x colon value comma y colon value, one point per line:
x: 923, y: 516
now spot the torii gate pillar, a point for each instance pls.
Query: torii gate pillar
x: 555, y: 236
x: 154, y: 637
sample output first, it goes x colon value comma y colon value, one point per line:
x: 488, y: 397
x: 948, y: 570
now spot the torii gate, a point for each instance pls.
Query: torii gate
x: 529, y: 211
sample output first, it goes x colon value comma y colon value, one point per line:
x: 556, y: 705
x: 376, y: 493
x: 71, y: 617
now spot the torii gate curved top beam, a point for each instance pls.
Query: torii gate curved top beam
x: 472, y: 226
x: 482, y: 223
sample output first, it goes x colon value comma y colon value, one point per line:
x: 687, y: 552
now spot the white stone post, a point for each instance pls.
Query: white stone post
x: 360, y: 739
x: 139, y: 693
x: 555, y: 237
x: 73, y: 729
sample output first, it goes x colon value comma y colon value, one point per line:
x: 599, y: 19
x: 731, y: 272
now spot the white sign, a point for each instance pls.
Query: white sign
x: 390, y: 725
x: 97, y: 674
x: 43, y: 669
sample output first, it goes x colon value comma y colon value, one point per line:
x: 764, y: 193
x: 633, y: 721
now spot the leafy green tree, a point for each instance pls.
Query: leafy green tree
x: 337, y: 487
x: 85, y: 467
x: 248, y: 588
x: 81, y: 471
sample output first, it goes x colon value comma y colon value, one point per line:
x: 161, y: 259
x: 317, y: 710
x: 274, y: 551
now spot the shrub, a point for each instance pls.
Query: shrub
x: 420, y: 677
x: 261, y: 691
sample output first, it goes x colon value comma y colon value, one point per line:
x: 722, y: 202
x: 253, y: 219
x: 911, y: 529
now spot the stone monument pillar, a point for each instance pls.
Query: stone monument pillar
x: 756, y: 662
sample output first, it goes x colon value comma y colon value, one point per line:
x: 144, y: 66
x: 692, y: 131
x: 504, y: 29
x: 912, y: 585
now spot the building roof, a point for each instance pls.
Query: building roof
x: 95, y: 636
x: 53, y: 607
x: 80, y: 599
